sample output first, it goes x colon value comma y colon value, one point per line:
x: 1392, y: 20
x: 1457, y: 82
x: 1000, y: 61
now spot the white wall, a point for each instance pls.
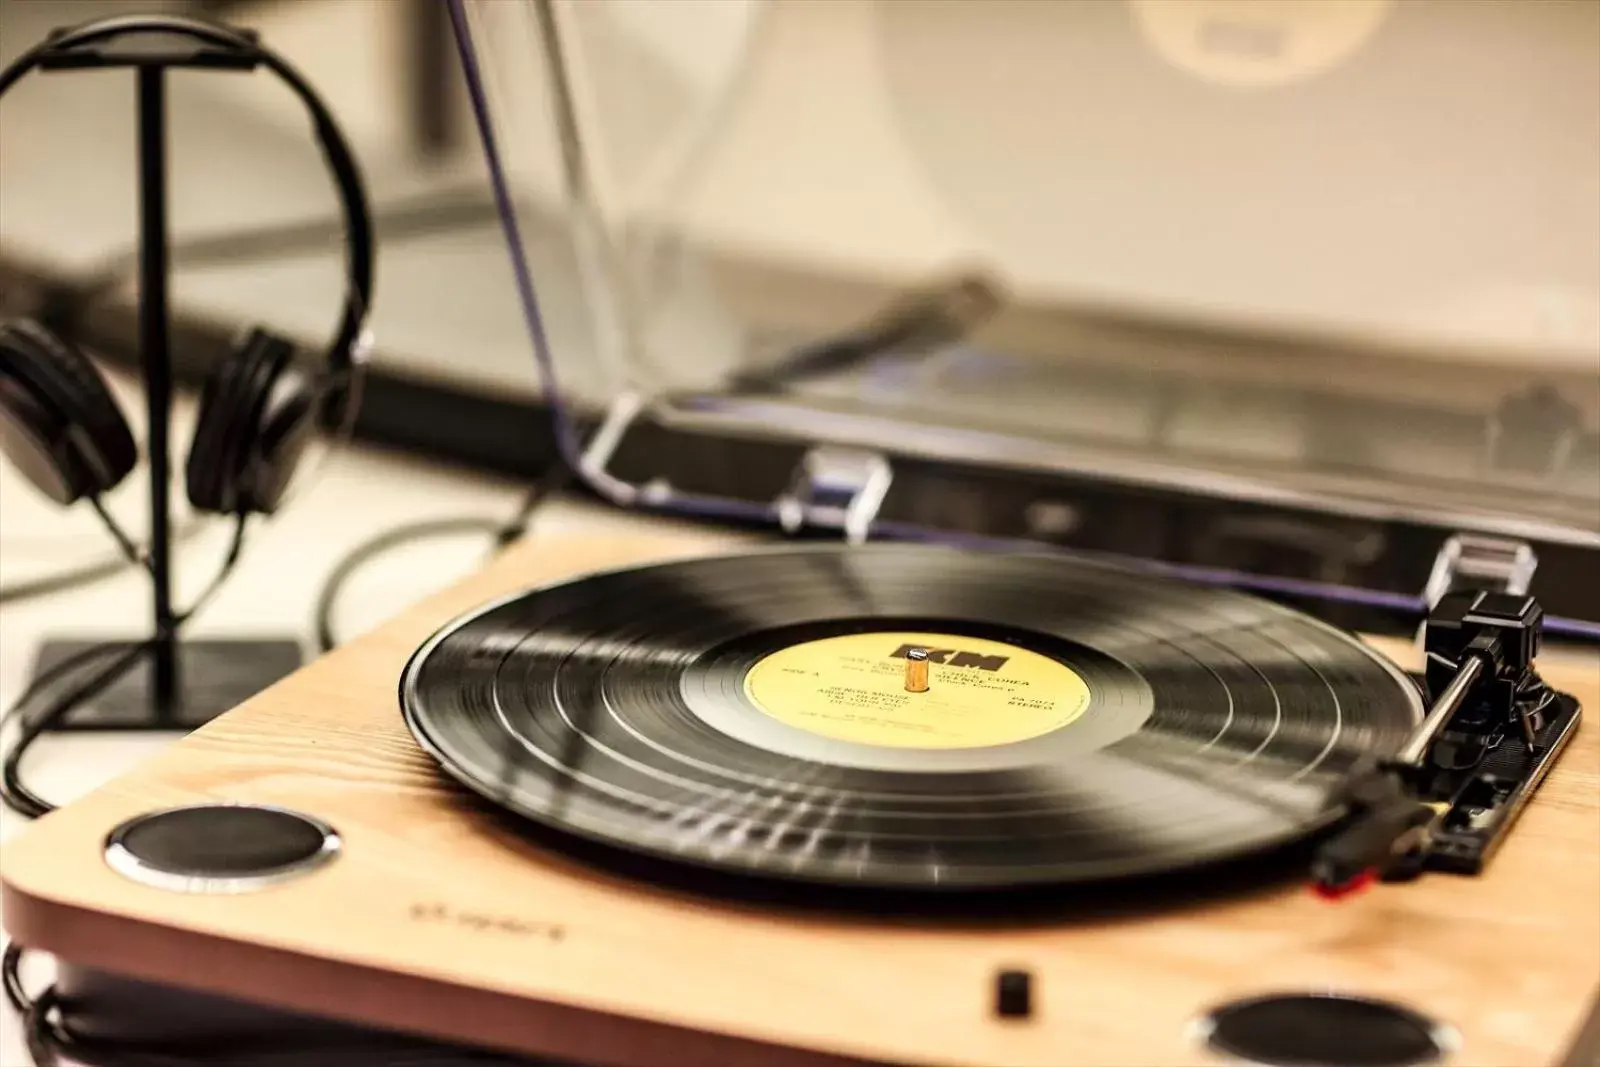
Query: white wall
x: 1426, y: 171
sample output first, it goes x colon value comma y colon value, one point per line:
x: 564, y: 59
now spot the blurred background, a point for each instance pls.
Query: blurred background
x: 243, y: 167
x: 1339, y: 259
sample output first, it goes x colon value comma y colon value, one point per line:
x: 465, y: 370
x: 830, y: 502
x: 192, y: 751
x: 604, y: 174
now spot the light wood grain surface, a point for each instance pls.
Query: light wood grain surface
x: 440, y: 920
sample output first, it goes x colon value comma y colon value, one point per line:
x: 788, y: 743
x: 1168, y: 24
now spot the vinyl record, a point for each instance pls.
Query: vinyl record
x: 751, y: 713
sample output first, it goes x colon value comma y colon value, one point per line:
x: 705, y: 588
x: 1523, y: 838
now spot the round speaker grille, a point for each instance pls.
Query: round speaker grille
x: 1310, y: 1030
x: 220, y: 848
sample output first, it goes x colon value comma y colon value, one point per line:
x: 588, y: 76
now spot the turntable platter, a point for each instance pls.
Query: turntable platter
x: 751, y: 713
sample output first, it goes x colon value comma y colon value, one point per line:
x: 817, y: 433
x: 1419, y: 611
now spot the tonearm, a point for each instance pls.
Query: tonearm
x: 1493, y: 729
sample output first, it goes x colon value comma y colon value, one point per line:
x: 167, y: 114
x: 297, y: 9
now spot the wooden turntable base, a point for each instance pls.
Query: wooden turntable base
x: 439, y: 918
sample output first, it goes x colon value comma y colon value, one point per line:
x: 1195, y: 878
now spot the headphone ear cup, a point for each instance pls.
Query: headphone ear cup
x: 287, y: 429
x: 233, y: 404
x: 203, y: 471
x: 59, y: 424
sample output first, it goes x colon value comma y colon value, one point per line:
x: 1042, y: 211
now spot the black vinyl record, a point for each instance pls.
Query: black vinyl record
x: 752, y: 713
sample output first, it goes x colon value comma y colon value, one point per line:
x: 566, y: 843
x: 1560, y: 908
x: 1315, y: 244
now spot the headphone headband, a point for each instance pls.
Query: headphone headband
x: 343, y: 353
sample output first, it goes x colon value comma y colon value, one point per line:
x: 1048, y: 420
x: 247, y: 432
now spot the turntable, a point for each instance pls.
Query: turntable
x: 696, y: 812
x: 889, y: 792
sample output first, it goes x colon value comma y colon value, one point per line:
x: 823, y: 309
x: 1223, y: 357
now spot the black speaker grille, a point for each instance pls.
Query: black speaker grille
x: 222, y: 841
x: 1306, y: 1030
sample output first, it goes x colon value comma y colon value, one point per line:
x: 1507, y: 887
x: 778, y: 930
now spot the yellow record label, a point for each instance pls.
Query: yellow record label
x: 980, y: 693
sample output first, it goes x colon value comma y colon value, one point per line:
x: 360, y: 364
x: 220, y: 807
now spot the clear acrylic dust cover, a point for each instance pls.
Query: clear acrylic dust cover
x: 1343, y: 254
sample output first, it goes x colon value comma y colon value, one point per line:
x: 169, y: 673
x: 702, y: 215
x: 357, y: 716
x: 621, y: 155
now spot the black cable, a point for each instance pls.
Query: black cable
x: 376, y: 546
x: 504, y: 532
x: 11, y: 978
x: 14, y: 793
x: 131, y: 554
x: 76, y: 578
x: 87, y: 574
x: 49, y: 1039
x: 134, y: 554
x: 554, y: 478
x: 35, y: 1024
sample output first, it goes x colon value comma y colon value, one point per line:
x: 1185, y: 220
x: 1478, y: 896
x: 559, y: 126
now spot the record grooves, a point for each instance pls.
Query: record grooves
x: 747, y: 713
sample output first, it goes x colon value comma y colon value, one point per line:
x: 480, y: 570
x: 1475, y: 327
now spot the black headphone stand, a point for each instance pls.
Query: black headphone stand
x: 178, y: 685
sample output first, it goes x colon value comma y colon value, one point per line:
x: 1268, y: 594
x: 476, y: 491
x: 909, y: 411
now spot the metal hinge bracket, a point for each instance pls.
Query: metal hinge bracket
x: 1473, y: 561
x: 836, y: 488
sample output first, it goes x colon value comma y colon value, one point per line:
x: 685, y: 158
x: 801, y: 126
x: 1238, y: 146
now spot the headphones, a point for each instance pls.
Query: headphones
x: 60, y: 425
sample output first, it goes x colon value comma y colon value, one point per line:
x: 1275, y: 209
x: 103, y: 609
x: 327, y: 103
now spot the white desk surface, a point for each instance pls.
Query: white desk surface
x: 358, y: 493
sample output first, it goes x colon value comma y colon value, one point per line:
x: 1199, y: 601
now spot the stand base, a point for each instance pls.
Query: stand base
x: 213, y: 677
